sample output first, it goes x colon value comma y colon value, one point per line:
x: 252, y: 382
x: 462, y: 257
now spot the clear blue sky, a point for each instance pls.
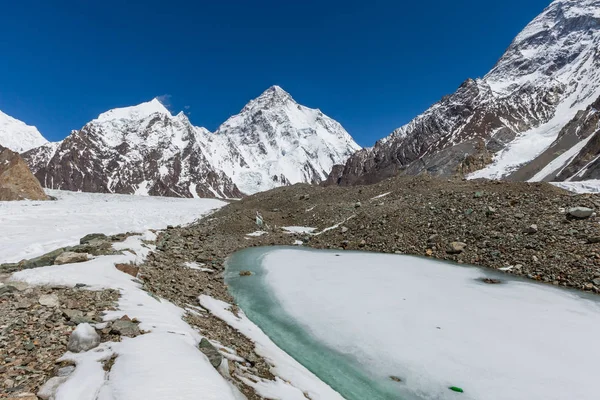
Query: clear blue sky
x: 372, y: 65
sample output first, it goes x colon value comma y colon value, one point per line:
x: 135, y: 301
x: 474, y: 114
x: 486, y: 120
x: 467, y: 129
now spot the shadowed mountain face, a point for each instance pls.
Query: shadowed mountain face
x: 493, y: 127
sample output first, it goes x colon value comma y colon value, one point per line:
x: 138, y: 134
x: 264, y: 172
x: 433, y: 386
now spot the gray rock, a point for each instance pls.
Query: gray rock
x: 596, y: 282
x: 456, y: 247
x: 344, y: 229
x: 69, y: 257
x: 49, y: 300
x: 48, y: 389
x: 531, y: 229
x: 357, y: 204
x: 580, y: 212
x: 593, y: 239
x: 65, y: 371
x: 92, y: 236
x: 125, y: 328
x: 73, y: 314
x: 83, y: 338
x: 43, y: 260
x: 519, y: 215
x: 211, y: 352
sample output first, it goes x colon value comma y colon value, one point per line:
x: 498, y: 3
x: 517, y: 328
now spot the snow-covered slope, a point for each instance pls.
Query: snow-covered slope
x: 146, y: 150
x: 17, y: 135
x: 275, y: 141
x: 492, y: 127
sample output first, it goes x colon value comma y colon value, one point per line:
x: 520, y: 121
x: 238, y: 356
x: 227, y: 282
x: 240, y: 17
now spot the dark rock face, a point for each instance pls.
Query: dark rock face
x: 548, y: 72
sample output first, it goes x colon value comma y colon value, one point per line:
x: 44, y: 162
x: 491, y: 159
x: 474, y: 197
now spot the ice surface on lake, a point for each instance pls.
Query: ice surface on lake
x: 435, y: 325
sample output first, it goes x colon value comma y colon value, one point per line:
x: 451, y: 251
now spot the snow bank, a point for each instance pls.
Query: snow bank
x: 436, y: 325
x: 297, y: 380
x: 32, y: 228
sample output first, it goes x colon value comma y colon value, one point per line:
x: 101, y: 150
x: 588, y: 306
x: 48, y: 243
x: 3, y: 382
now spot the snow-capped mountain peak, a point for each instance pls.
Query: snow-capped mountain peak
x: 275, y: 141
x: 134, y: 113
x: 17, y: 135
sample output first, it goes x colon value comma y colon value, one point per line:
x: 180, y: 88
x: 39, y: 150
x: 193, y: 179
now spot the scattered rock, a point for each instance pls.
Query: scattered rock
x: 125, y: 328
x: 456, y: 247
x: 580, y: 212
x: 92, y: 236
x: 48, y: 389
x: 519, y: 215
x: 357, y: 204
x: 531, y: 229
x: 23, y: 396
x: 49, y: 300
x: 395, y: 378
x: 83, y: 338
x: 130, y: 269
x: 593, y: 239
x: 210, y: 352
x: 245, y: 273
x: 491, y: 281
x: 41, y: 261
x: 344, y: 229
x: 69, y: 257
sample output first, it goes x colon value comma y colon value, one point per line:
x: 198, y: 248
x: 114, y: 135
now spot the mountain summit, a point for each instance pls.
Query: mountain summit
x: 17, y: 135
x: 494, y: 127
x: 275, y: 141
x: 144, y: 149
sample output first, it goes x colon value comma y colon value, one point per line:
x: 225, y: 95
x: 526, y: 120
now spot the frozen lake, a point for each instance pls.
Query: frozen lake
x: 358, y: 319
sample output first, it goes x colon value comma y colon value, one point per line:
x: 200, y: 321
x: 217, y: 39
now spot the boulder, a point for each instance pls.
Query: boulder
x: 93, y: 236
x: 70, y: 257
x: 210, y: 352
x: 130, y: 269
x: 456, y: 247
x: 41, y: 261
x: 125, y: 327
x: 16, y: 180
x: 83, y: 338
x: 580, y: 212
x: 49, y: 300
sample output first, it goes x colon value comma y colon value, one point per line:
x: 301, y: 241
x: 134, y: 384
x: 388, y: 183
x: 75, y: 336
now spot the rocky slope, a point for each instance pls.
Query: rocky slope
x: 146, y: 150
x: 17, y: 135
x: 16, y: 180
x: 492, y: 127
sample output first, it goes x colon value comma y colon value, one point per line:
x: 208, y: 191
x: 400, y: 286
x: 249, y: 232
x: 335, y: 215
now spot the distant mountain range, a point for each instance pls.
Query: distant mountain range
x: 146, y: 150
x: 535, y: 116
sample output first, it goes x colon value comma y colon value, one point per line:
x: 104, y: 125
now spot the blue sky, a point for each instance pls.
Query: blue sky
x: 372, y: 65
